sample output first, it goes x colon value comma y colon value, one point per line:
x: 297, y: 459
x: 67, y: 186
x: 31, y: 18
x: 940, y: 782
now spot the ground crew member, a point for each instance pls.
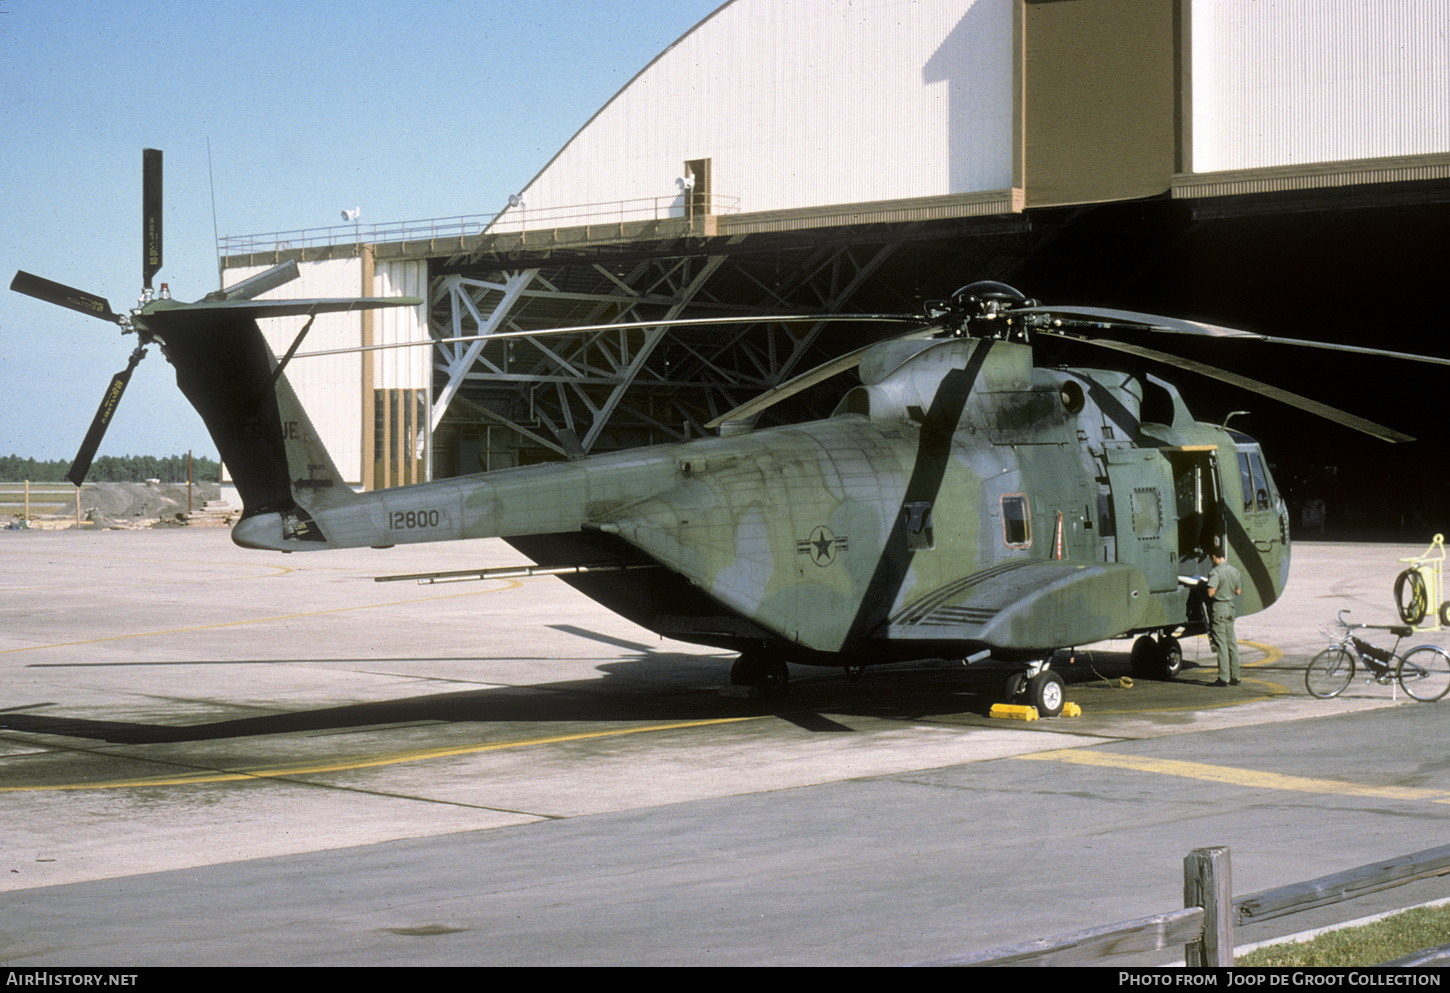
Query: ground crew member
x: 1225, y: 585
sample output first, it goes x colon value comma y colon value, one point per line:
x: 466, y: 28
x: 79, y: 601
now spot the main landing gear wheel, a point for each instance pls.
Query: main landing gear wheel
x: 1015, y: 686
x: 1157, y: 658
x: 762, y: 672
x: 1047, y: 692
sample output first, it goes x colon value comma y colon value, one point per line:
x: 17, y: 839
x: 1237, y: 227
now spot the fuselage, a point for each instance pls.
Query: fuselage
x: 961, y: 498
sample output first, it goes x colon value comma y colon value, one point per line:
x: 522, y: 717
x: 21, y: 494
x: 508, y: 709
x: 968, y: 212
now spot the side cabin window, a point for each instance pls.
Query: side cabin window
x: 1254, y: 481
x: 1016, y: 521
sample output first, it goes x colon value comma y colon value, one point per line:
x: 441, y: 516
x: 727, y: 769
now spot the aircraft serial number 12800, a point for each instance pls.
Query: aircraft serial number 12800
x: 963, y: 502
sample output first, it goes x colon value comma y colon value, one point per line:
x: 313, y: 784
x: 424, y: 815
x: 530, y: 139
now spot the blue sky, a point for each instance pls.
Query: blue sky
x: 408, y: 111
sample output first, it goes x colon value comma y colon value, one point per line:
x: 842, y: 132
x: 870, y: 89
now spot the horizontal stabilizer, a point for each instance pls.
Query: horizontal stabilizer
x: 159, y: 314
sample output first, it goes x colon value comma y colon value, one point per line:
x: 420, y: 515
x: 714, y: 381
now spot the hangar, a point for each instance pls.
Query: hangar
x: 1283, y: 167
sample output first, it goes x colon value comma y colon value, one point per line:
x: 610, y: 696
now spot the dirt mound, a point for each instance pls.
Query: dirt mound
x: 136, y: 504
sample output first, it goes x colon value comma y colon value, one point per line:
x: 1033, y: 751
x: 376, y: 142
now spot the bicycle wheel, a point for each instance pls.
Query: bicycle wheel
x: 1424, y: 673
x: 1329, y: 673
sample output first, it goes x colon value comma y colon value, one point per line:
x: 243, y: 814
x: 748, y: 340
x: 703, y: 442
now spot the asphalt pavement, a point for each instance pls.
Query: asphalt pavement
x: 210, y: 756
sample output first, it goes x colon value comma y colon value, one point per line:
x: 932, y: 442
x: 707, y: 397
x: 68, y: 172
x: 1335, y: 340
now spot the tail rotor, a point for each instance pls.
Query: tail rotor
x: 97, y: 306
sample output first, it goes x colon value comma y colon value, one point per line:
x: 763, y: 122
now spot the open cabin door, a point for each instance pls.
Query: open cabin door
x: 1198, y: 495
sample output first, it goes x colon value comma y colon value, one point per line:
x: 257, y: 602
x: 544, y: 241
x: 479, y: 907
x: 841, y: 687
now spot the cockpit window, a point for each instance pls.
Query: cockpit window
x: 1254, y: 481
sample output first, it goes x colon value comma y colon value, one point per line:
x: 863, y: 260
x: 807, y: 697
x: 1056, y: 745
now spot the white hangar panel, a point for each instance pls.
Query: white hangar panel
x: 1287, y: 82
x: 401, y: 368
x: 799, y: 105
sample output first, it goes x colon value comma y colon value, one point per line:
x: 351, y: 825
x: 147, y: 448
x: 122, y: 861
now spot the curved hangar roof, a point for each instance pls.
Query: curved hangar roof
x: 796, y: 114
x: 799, y: 105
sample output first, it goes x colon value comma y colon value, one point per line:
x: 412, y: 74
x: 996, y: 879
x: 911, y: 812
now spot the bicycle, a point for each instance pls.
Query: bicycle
x: 1423, y: 672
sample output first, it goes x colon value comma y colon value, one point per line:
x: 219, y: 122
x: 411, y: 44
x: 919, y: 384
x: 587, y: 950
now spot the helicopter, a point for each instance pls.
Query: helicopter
x: 964, y: 501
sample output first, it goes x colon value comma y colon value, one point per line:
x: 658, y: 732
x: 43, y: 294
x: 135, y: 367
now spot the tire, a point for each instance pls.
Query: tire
x: 1144, y: 658
x: 1013, y: 687
x: 1329, y: 673
x: 1170, y: 658
x: 1047, y: 692
x: 1445, y: 614
x: 1411, y: 597
x: 1160, y: 658
x: 1424, y: 673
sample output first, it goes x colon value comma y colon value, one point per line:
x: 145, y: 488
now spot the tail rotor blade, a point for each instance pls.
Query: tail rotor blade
x: 104, y: 413
x: 63, y: 296
x: 151, y: 214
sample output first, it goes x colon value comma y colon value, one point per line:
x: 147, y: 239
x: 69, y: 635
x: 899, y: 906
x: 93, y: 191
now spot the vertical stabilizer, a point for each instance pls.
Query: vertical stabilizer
x: 269, y: 444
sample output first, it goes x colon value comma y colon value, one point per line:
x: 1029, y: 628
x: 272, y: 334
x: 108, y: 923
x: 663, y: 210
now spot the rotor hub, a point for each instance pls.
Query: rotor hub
x: 981, y: 302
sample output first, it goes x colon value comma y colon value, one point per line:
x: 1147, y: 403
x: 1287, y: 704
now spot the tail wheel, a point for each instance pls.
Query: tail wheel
x: 1411, y: 597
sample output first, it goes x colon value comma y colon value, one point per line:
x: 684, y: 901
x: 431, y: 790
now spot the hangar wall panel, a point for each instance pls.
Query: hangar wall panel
x: 801, y: 105
x: 401, y: 368
x: 1286, y: 82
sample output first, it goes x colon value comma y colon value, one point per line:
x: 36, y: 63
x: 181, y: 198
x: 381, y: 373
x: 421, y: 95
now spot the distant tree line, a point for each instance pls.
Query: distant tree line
x: 113, y: 469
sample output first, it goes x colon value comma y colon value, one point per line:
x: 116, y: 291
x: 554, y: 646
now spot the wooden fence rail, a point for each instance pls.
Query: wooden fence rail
x: 1205, y: 927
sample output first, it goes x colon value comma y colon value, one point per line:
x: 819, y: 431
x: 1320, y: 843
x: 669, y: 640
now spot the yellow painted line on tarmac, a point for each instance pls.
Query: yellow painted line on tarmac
x: 1271, y: 654
x: 1231, y: 776
x: 348, y: 765
x: 512, y: 584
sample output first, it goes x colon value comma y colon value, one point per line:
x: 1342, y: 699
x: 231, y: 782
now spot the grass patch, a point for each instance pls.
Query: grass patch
x: 1368, y: 944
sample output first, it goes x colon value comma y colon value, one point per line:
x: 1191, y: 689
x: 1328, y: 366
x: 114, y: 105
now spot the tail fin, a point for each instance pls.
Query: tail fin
x: 226, y: 369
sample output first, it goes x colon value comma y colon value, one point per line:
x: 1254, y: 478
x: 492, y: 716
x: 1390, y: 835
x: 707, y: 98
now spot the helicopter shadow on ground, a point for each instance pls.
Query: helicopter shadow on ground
x: 647, y: 685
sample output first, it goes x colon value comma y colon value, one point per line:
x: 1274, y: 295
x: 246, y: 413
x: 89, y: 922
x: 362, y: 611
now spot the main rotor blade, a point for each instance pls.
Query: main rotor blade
x: 1173, y: 325
x: 804, y: 381
x: 150, y: 214
x: 1273, y: 392
x: 687, y: 322
x: 102, y: 420
x: 64, y: 296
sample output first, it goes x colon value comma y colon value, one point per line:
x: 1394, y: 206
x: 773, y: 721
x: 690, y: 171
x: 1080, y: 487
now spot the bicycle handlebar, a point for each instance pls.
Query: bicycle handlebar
x: 1365, y: 627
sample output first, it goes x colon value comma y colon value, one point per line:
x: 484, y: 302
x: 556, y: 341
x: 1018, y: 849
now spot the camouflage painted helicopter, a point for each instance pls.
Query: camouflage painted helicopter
x: 963, y: 502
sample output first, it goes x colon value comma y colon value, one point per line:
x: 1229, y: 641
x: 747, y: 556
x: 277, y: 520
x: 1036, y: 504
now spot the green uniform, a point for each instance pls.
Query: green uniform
x: 1226, y: 583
